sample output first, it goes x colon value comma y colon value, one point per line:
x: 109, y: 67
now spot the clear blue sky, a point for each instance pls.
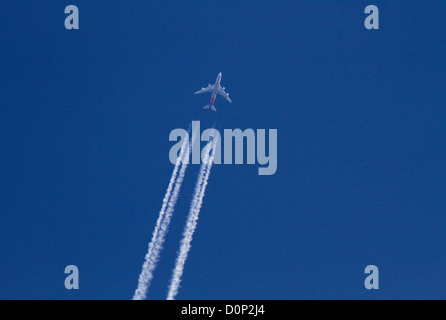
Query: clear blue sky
x: 85, y: 120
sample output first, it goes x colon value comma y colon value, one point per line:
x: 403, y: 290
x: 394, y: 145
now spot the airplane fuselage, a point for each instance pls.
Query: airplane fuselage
x: 215, y: 91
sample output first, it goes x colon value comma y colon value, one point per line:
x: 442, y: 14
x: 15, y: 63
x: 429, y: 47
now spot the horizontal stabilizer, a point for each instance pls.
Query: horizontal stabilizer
x: 210, y: 107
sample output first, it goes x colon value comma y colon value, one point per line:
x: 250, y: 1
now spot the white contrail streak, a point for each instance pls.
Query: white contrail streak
x: 191, y: 223
x: 162, y: 224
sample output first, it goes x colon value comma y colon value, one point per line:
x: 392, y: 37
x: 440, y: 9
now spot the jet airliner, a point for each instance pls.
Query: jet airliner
x: 215, y: 88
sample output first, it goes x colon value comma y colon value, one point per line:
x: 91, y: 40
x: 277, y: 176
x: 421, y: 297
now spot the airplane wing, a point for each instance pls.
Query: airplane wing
x: 209, y: 88
x: 221, y: 91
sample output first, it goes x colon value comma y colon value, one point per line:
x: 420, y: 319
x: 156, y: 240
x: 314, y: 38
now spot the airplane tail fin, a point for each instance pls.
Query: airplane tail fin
x: 210, y: 107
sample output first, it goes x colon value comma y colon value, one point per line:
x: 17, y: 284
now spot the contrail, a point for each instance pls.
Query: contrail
x: 191, y: 223
x: 162, y: 224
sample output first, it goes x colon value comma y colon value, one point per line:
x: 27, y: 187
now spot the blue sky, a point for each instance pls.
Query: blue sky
x: 85, y: 120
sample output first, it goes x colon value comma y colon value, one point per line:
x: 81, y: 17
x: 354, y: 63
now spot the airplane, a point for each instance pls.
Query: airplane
x: 214, y: 88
